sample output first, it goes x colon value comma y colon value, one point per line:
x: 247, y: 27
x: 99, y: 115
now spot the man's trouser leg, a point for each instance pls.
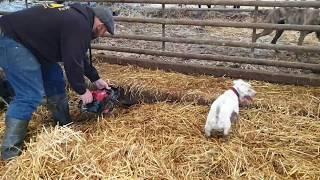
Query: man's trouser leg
x: 57, y: 99
x: 24, y: 74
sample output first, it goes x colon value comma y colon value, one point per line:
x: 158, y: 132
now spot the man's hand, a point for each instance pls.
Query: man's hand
x: 101, y: 84
x: 86, y: 97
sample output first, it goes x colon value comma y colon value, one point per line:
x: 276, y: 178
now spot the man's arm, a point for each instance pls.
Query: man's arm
x: 90, y: 71
x: 75, y: 38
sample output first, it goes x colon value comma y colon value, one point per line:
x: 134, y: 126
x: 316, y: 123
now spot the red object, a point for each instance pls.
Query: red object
x: 100, y: 95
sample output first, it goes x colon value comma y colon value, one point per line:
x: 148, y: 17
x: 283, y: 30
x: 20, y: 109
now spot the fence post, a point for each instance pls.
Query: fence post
x: 254, y: 31
x: 163, y: 28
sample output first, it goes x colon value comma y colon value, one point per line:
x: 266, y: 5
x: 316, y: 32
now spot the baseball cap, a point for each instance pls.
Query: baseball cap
x: 105, y: 16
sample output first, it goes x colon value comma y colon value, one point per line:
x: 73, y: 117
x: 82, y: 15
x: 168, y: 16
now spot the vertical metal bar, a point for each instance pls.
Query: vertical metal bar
x: 26, y: 2
x: 163, y: 28
x: 254, y: 31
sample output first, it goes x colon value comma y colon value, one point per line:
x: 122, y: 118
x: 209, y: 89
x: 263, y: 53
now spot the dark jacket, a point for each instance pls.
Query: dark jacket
x: 56, y: 34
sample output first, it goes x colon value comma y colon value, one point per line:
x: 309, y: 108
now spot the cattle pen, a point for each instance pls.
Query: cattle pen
x: 176, y: 61
x: 220, y: 71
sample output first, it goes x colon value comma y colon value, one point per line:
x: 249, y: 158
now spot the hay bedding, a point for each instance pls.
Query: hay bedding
x: 166, y: 141
x: 285, y: 99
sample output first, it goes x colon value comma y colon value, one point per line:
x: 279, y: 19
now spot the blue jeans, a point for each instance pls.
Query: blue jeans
x: 53, y: 80
x: 28, y: 78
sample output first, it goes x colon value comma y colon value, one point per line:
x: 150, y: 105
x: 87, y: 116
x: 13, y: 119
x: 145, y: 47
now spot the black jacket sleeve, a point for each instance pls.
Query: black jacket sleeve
x: 90, y: 71
x: 75, y: 38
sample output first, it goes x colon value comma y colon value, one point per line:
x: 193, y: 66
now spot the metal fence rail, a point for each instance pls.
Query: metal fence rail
x: 294, y: 48
x: 219, y: 23
x: 209, y: 9
x: 235, y: 59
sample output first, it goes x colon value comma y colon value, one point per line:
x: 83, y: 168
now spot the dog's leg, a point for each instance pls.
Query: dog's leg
x: 208, y: 129
x: 234, y: 117
x: 211, y: 120
x: 226, y: 129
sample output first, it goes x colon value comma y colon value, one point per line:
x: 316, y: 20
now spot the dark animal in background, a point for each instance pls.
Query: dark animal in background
x: 299, y: 16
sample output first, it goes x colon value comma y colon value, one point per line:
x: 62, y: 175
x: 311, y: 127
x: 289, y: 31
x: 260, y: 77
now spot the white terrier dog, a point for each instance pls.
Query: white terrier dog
x: 225, y: 109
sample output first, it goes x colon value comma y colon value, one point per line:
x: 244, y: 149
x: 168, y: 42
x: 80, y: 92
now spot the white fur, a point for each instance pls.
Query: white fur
x: 224, y: 108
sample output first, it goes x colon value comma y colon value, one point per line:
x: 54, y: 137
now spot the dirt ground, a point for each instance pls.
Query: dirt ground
x: 206, y: 32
